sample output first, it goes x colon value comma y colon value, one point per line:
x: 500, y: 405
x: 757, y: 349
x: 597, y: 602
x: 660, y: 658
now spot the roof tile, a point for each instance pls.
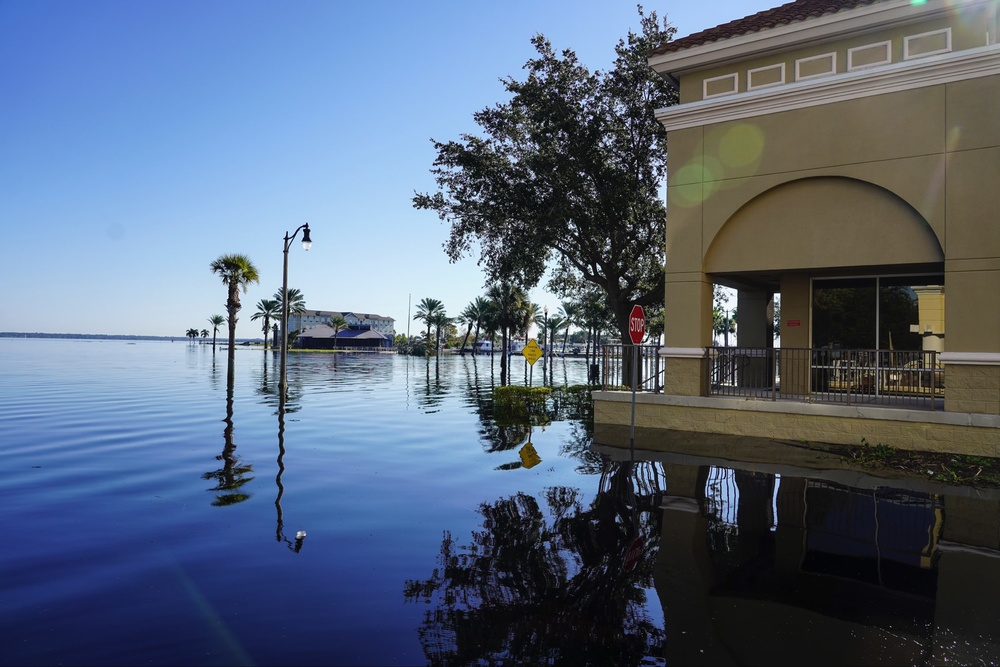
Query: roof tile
x: 792, y: 12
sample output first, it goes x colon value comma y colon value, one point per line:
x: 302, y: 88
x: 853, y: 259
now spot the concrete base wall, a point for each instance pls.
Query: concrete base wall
x: 685, y: 376
x: 951, y: 432
x: 972, y: 389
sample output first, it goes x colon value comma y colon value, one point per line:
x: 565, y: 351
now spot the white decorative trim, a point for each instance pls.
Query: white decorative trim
x: 886, y: 58
x: 906, y: 75
x: 718, y: 79
x: 683, y: 352
x: 870, y: 18
x: 832, y: 57
x: 760, y: 70
x: 971, y: 358
x: 926, y: 36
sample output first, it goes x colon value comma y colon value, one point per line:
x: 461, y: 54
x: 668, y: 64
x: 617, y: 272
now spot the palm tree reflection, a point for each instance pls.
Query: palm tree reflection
x: 546, y: 583
x: 231, y: 477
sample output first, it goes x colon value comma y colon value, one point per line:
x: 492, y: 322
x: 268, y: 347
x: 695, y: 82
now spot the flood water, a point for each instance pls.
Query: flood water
x: 152, y: 516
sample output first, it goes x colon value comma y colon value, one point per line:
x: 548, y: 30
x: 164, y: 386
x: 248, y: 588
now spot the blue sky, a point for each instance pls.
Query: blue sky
x: 141, y: 140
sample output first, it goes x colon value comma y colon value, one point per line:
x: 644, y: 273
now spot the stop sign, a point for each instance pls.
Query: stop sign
x: 637, y: 324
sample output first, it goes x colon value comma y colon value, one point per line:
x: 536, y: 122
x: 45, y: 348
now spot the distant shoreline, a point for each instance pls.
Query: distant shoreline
x: 75, y: 336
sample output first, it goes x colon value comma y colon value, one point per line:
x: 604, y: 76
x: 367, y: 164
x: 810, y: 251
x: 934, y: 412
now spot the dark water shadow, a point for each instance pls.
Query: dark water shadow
x: 771, y: 553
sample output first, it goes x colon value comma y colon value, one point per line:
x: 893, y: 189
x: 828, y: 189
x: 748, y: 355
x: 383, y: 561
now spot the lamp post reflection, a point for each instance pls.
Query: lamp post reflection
x: 279, y: 532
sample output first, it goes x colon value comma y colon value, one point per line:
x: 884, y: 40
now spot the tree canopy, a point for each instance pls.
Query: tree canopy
x: 566, y: 176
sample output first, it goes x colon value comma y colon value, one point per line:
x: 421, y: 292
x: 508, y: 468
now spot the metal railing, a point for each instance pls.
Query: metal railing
x: 616, y: 361
x: 896, y: 378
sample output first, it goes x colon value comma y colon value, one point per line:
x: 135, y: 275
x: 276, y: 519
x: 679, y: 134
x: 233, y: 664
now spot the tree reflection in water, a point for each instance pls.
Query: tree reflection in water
x: 546, y: 584
x: 231, y: 477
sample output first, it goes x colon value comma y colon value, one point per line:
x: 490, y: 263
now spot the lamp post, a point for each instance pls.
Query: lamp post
x: 306, y: 244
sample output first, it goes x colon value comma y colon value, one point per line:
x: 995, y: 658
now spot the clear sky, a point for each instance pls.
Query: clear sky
x: 139, y: 141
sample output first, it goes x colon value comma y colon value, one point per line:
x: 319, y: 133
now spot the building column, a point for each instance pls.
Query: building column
x: 755, y: 329
x: 688, y: 331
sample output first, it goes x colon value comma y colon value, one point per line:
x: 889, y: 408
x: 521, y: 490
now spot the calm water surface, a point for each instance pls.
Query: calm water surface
x: 151, y: 517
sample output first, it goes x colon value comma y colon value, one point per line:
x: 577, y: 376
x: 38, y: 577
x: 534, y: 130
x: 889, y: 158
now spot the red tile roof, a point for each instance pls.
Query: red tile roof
x: 792, y: 12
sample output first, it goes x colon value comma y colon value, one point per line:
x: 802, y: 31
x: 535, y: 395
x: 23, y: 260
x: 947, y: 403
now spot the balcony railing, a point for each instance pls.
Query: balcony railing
x: 616, y: 365
x: 893, y: 378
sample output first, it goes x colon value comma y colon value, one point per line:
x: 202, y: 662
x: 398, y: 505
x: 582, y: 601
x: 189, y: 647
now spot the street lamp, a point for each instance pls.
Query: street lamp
x: 306, y: 244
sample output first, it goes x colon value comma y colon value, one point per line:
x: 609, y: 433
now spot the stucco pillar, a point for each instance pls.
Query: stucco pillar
x: 688, y: 331
x: 755, y: 329
x: 972, y: 348
x: 794, y: 364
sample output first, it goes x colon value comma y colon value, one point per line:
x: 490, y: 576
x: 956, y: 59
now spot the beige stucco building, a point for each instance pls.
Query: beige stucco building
x: 845, y: 156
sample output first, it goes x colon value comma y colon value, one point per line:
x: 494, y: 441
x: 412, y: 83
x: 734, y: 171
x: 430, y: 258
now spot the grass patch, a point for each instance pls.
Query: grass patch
x: 960, y: 469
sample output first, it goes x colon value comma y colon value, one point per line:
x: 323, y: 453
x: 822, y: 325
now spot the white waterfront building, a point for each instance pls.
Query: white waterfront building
x: 310, y: 318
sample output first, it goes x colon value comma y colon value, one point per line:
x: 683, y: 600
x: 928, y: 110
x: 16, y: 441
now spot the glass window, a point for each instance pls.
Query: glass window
x: 883, y: 313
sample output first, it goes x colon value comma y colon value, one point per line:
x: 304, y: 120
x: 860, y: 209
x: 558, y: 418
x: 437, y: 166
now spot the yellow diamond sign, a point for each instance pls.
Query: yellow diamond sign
x: 532, y: 352
x: 529, y: 457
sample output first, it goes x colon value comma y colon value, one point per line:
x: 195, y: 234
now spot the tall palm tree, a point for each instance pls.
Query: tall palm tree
x: 439, y: 320
x: 556, y: 322
x: 480, y: 308
x: 237, y: 273
x: 267, y: 309
x: 216, y: 321
x: 490, y: 322
x: 296, y: 305
x: 472, y: 316
x: 508, y: 302
x: 570, y: 313
x: 427, y: 309
x: 296, y: 301
x: 339, y: 324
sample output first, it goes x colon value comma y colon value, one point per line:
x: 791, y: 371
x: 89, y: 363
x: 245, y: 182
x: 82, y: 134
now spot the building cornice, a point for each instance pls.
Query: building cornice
x: 866, y: 19
x: 907, y: 75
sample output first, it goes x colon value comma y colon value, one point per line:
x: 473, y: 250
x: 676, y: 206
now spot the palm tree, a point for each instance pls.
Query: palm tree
x: 339, y: 324
x: 472, y: 316
x: 216, y: 321
x: 192, y: 334
x: 556, y: 322
x: 440, y: 319
x: 267, y: 309
x: 570, y: 313
x: 296, y: 304
x: 480, y: 308
x: 204, y: 333
x: 508, y: 303
x: 237, y: 273
x: 427, y: 309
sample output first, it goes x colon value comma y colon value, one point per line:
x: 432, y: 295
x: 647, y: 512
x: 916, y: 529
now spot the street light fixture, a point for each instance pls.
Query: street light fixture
x: 306, y: 244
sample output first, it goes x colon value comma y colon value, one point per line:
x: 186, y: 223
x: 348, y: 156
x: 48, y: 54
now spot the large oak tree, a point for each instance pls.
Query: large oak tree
x: 566, y: 175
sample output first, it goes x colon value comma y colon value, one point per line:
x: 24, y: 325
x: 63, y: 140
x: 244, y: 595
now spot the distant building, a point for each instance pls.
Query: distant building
x: 311, y: 318
x: 358, y: 336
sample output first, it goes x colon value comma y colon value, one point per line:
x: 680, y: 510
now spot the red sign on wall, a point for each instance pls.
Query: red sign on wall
x: 793, y: 323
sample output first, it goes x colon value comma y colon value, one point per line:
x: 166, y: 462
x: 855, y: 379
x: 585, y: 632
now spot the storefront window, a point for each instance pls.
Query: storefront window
x: 884, y: 313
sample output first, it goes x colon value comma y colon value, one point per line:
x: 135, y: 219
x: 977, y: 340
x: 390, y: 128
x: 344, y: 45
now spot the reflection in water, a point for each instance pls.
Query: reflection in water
x: 230, y: 478
x: 280, y: 530
x: 768, y: 562
x: 545, y: 582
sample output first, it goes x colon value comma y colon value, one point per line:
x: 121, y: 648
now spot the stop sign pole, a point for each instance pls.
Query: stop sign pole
x: 636, y: 331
